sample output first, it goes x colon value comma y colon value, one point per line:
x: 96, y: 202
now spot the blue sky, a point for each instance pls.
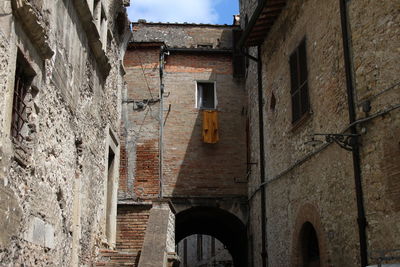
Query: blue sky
x: 191, y: 11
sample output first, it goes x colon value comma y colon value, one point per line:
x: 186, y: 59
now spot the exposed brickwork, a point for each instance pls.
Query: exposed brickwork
x: 147, y: 182
x: 192, y: 63
x: 141, y: 171
x: 191, y: 168
x: 131, y: 228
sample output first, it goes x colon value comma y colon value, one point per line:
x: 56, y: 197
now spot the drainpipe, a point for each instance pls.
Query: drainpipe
x: 362, y: 222
x: 264, y: 254
x: 161, y: 119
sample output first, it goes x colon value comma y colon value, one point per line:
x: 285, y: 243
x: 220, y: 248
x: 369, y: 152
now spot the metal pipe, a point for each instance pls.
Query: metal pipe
x: 362, y: 222
x: 161, y: 113
x: 262, y: 159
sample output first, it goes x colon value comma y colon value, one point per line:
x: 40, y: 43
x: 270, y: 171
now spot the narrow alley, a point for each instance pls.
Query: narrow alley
x: 272, y: 140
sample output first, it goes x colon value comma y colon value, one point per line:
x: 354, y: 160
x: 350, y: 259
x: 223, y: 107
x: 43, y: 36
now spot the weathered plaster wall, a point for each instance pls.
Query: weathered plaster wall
x: 54, y: 207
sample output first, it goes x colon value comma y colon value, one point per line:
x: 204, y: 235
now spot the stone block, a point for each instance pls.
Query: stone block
x: 40, y: 233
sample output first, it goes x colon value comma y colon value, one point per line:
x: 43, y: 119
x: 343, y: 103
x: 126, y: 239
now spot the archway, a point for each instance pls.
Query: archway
x: 218, y: 223
x: 308, y: 243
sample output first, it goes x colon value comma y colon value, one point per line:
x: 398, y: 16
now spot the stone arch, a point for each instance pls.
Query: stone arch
x: 221, y: 224
x: 308, y: 236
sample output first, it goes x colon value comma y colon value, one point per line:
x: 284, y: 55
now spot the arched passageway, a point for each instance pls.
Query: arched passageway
x: 217, y: 223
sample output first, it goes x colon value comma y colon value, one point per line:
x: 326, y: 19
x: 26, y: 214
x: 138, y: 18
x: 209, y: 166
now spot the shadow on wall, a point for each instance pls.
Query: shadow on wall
x: 193, y: 168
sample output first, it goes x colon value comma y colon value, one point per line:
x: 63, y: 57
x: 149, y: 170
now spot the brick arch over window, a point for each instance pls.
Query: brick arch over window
x: 308, y: 216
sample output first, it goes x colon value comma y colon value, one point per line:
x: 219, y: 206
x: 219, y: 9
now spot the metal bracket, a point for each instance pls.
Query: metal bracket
x: 346, y: 141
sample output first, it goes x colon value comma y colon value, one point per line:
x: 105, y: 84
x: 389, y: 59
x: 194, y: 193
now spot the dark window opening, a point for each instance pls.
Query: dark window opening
x: 299, y: 84
x: 199, y: 247
x: 185, y: 252
x: 23, y: 78
x: 205, y: 96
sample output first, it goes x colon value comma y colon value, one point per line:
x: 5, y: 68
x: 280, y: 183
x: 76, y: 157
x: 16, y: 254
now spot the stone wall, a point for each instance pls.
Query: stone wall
x: 375, y: 51
x: 255, y: 237
x: 54, y: 191
x: 316, y: 184
x: 299, y: 175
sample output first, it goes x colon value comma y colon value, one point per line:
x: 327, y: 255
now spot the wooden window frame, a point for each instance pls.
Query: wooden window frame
x: 299, y: 82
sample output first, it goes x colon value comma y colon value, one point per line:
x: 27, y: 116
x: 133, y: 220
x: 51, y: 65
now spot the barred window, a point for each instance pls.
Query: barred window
x: 23, y: 78
x: 299, y: 84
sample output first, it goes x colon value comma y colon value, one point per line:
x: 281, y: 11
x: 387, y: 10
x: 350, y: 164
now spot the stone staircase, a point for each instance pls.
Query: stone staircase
x: 131, y: 227
x: 113, y: 258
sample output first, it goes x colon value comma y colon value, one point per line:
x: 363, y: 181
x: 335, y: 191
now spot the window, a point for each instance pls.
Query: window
x: 23, y: 78
x: 199, y: 247
x: 299, y: 84
x: 206, y: 96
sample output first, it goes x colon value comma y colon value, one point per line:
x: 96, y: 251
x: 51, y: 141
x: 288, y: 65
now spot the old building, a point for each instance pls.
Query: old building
x: 60, y: 108
x: 323, y: 93
x: 183, y: 141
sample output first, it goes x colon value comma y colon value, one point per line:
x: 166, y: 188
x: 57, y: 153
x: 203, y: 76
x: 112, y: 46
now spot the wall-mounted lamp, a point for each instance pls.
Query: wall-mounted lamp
x: 346, y: 141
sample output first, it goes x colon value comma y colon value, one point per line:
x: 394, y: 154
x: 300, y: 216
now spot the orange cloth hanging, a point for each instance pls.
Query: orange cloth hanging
x: 210, y: 126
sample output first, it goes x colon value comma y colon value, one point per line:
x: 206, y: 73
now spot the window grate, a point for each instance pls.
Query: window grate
x: 19, y: 107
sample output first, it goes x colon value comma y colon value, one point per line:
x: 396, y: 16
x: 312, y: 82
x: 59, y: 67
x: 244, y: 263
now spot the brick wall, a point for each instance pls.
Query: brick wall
x: 191, y: 167
x: 131, y: 227
x: 140, y: 173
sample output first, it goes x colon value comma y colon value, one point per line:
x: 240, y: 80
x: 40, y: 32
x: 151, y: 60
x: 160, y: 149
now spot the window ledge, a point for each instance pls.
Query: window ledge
x: 33, y: 25
x: 300, y: 122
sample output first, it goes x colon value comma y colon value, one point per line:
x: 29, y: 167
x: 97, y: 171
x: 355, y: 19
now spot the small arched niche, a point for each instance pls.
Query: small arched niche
x: 309, y: 246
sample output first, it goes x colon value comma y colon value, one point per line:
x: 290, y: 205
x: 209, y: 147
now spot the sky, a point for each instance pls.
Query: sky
x: 191, y: 11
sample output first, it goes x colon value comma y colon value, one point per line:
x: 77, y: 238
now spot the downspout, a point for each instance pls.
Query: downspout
x: 264, y: 254
x: 362, y: 222
x: 161, y: 119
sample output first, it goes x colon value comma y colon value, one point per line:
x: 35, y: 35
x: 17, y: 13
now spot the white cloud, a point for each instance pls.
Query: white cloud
x: 192, y: 11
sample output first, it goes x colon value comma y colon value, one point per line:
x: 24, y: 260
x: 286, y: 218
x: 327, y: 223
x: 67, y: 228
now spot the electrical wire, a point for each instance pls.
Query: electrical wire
x: 144, y: 75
